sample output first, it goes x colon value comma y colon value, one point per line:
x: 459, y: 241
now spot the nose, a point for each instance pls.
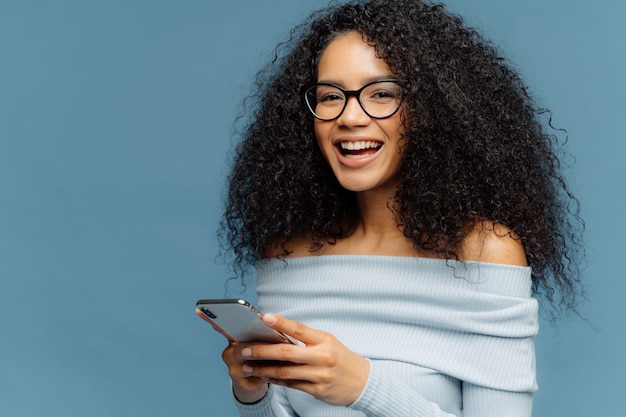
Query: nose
x: 353, y: 114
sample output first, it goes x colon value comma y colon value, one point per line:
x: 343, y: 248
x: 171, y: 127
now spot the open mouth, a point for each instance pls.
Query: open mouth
x: 359, y: 149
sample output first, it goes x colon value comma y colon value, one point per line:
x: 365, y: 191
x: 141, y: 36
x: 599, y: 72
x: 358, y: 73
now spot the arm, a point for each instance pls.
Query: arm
x: 330, y: 372
x: 253, y: 396
x: 321, y: 366
x: 385, y: 396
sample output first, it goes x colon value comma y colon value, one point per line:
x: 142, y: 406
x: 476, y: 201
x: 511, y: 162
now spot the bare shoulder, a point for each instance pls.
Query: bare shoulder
x: 494, y: 243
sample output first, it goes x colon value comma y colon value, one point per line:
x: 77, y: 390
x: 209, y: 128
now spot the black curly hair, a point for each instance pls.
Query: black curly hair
x: 477, y: 148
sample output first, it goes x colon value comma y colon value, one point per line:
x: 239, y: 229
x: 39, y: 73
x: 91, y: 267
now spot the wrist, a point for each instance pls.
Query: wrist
x: 249, y: 397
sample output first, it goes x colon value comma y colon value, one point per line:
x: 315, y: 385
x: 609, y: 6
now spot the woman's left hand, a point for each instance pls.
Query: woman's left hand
x: 324, y: 368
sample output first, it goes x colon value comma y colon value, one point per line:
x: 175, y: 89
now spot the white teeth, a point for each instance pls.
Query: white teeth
x: 360, y: 145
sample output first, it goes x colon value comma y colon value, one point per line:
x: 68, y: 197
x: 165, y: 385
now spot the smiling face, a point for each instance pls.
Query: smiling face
x: 364, y: 153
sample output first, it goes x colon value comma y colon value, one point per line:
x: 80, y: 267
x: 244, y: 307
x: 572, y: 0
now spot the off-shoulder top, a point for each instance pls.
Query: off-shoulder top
x: 443, y: 337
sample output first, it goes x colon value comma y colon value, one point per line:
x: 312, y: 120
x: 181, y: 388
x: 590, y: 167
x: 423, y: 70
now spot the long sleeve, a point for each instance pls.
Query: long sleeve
x: 385, y: 396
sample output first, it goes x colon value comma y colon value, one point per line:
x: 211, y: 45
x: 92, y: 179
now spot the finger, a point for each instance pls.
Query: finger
x: 294, y: 329
x: 279, y: 372
x: 305, y: 386
x: 232, y: 353
x: 277, y: 353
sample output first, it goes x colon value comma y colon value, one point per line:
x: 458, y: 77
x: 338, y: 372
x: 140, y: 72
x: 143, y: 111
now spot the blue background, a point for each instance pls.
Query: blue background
x: 115, y: 133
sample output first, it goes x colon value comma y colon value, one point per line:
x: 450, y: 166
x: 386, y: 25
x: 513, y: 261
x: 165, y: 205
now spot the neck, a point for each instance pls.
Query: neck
x: 375, y: 212
x: 377, y: 224
x: 376, y: 231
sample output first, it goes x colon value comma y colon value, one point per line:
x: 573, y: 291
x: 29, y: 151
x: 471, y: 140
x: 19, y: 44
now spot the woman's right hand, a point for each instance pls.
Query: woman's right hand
x: 247, y: 389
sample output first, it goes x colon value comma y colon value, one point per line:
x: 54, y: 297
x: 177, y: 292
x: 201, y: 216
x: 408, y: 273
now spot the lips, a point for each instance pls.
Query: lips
x: 358, y: 149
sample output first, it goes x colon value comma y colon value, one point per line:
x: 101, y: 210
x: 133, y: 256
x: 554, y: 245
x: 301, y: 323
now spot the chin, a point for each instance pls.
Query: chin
x: 359, y: 186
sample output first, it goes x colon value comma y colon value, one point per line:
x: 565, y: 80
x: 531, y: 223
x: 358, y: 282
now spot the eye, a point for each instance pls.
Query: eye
x: 382, y: 95
x: 383, y: 92
x: 329, y: 96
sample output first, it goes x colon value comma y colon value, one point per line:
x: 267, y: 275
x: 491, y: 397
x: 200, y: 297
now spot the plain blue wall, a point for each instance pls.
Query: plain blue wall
x: 115, y: 125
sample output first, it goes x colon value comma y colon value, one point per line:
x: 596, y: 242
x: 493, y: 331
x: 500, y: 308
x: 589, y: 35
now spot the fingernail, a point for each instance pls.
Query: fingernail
x: 269, y: 319
x: 246, y: 352
x: 247, y: 369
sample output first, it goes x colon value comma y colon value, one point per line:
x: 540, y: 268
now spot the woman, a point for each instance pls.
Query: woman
x: 401, y: 201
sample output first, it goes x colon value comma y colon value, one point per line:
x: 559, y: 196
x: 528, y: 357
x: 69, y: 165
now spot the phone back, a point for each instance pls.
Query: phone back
x: 238, y: 321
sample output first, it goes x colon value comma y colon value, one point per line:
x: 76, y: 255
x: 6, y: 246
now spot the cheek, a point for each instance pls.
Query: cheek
x: 394, y: 131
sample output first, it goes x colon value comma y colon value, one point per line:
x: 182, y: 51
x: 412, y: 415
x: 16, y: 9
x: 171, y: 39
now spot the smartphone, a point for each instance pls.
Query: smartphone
x: 238, y: 321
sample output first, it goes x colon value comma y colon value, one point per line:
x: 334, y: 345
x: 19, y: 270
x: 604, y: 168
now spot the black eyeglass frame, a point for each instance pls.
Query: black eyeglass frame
x: 351, y: 93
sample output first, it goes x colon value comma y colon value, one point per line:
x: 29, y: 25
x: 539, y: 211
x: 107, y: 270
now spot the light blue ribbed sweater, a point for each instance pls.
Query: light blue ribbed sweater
x: 444, y: 338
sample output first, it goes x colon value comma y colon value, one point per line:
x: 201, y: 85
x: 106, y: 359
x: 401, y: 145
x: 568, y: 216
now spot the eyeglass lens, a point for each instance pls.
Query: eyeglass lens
x: 379, y: 99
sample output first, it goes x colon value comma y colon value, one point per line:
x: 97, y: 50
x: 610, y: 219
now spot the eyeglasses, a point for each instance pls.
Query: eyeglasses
x: 379, y: 100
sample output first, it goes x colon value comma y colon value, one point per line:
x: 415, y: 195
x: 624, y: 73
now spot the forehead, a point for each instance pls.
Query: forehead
x: 351, y: 62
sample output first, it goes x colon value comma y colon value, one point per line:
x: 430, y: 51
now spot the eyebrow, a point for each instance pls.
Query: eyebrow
x: 365, y: 82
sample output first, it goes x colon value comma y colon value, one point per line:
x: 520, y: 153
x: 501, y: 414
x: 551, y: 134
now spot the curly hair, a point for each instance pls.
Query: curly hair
x: 477, y: 147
